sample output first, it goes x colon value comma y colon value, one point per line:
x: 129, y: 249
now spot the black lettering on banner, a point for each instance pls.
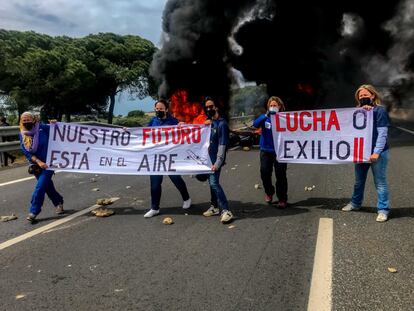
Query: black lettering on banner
x: 144, y: 163
x: 172, y: 162
x: 302, y: 149
x: 93, y: 132
x: 348, y: 150
x: 320, y: 157
x: 125, y: 138
x: 162, y: 158
x: 356, y: 118
x: 286, y: 142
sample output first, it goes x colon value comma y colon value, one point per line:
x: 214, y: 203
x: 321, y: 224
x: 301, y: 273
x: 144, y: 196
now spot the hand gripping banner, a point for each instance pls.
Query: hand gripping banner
x: 164, y: 150
x: 328, y: 136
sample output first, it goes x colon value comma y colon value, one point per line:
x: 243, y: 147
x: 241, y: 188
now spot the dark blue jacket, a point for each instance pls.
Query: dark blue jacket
x: 169, y: 120
x: 41, y: 152
x: 266, y: 139
x: 219, y: 136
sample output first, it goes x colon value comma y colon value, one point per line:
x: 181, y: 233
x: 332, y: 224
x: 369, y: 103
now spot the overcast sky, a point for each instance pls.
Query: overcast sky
x: 77, y: 18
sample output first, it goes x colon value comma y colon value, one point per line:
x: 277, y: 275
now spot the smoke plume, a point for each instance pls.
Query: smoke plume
x: 310, y: 53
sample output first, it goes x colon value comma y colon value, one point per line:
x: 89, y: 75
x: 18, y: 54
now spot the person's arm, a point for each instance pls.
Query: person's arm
x: 381, y: 139
x: 259, y: 121
x: 223, y: 142
x: 44, y: 127
x: 26, y: 153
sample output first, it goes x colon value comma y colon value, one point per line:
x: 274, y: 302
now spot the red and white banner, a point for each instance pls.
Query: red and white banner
x: 163, y: 150
x: 328, y: 136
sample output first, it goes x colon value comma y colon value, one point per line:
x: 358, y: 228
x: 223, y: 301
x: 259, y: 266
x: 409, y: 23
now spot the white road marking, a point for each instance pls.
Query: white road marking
x: 320, y: 296
x: 405, y: 130
x: 20, y: 180
x: 49, y: 226
x: 16, y: 181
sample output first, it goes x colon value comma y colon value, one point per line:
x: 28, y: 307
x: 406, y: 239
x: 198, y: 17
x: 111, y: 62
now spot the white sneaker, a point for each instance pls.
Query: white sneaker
x: 382, y: 217
x: 226, y: 217
x: 151, y: 213
x: 349, y: 207
x: 187, y: 203
x: 212, y: 211
x: 59, y: 209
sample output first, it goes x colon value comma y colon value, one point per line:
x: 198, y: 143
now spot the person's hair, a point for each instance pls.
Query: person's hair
x: 3, y: 119
x: 162, y: 101
x: 209, y: 98
x: 372, y: 90
x: 278, y: 100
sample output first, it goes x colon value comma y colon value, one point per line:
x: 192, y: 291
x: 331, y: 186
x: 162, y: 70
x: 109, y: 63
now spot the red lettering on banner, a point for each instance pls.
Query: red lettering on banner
x: 301, y: 119
x: 333, y: 121
x: 278, y: 128
x: 291, y: 127
x: 355, y: 150
x: 361, y: 149
x: 317, y: 119
x: 145, y: 135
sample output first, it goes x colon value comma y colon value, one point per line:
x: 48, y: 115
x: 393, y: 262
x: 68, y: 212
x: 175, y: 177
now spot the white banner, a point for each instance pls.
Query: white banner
x: 164, y: 150
x: 328, y: 136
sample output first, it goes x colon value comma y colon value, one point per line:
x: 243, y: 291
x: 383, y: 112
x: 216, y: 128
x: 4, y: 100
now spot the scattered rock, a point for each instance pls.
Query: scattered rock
x: 392, y: 270
x: 246, y: 149
x: 167, y: 221
x: 257, y: 186
x: 309, y: 188
x: 95, y: 189
x: 8, y: 217
x: 232, y: 226
x: 233, y: 168
x: 128, y: 187
x: 106, y: 201
x: 102, y: 212
x: 93, y: 179
x: 20, y: 296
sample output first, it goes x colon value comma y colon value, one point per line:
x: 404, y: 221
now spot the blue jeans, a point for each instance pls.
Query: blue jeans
x: 44, y: 186
x: 379, y: 171
x: 156, y: 181
x: 218, y: 197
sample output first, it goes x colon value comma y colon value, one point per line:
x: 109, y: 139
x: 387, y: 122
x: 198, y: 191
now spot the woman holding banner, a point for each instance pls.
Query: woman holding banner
x: 368, y: 98
x: 162, y: 117
x: 268, y: 159
x: 34, y: 139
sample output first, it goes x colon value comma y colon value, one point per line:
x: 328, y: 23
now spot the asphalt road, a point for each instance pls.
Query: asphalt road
x: 264, y: 262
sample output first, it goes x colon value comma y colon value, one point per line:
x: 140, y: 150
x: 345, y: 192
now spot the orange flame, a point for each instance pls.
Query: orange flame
x: 186, y: 111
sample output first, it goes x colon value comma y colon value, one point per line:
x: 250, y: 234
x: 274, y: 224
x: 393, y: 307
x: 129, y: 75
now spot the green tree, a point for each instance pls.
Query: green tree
x: 121, y: 63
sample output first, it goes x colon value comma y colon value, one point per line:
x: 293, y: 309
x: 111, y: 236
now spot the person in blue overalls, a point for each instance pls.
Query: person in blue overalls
x: 219, y: 140
x: 34, y: 140
x: 162, y: 117
x: 268, y: 159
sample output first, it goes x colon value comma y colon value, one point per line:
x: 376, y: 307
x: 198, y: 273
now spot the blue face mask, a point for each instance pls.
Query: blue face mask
x: 366, y: 101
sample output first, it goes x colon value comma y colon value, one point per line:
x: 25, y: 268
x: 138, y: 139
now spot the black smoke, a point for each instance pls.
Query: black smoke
x: 310, y: 53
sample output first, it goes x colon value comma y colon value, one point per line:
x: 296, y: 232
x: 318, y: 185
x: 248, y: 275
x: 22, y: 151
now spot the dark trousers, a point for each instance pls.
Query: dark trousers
x: 156, y: 181
x: 267, y: 163
x: 8, y: 156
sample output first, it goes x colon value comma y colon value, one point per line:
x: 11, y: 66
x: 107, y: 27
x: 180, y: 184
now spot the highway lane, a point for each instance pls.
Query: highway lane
x: 264, y: 262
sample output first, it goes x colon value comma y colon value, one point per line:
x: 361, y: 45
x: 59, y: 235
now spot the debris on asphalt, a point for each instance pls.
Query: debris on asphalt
x: 95, y: 189
x: 20, y: 296
x: 233, y: 168
x: 8, y: 218
x: 246, y: 148
x: 310, y: 188
x: 392, y: 270
x: 102, y: 212
x: 167, y: 221
x: 232, y: 226
x: 257, y: 186
x: 93, y: 179
x: 105, y: 201
x: 128, y: 187
x: 118, y: 290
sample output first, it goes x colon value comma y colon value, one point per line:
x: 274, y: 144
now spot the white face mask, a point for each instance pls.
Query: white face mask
x: 273, y: 110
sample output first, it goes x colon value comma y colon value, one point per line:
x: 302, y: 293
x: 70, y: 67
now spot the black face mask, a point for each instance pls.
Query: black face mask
x: 211, y: 112
x: 365, y: 101
x: 160, y: 114
x: 28, y: 126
